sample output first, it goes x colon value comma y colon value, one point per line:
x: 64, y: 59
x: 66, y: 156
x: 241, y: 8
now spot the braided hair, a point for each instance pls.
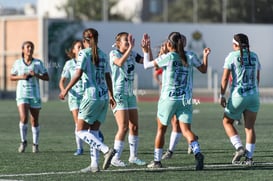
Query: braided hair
x: 241, y: 40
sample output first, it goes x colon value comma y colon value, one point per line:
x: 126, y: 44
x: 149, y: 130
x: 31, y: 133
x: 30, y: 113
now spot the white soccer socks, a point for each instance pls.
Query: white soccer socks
x: 35, y: 134
x: 118, y: 146
x: 133, y: 144
x: 92, y: 140
x: 174, y: 139
x: 236, y: 141
x: 23, y: 131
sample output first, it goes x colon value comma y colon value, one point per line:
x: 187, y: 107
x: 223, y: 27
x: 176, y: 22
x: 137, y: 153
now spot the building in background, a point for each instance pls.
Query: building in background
x: 51, y: 8
x: 28, y: 9
x: 133, y: 10
x: 14, y: 30
x: 53, y: 32
x: 136, y: 10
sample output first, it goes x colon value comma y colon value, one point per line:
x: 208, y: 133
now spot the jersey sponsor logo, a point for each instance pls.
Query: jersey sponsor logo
x: 244, y: 90
x: 177, y: 63
x: 28, y: 85
x: 252, y: 62
x: 102, y: 92
x: 127, y: 79
x: 177, y: 93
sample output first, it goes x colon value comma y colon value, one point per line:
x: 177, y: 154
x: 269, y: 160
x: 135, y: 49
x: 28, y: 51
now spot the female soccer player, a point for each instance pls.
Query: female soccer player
x: 158, y: 71
x: 122, y: 62
x: 93, y: 68
x: 76, y: 92
x: 244, y: 67
x: 176, y: 93
x: 27, y: 71
x: 176, y: 131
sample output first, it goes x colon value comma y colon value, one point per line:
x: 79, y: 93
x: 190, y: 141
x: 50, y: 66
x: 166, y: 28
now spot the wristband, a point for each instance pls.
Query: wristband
x: 222, y: 96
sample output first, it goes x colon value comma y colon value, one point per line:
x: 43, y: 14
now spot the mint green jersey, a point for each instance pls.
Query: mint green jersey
x: 68, y: 72
x: 28, y: 88
x: 177, y: 80
x: 244, y: 75
x: 93, y: 77
x: 123, y: 77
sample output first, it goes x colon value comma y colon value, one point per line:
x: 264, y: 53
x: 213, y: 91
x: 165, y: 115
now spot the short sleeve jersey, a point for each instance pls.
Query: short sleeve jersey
x: 93, y: 77
x: 177, y: 80
x: 28, y: 88
x: 68, y: 72
x: 244, y: 75
x: 123, y: 77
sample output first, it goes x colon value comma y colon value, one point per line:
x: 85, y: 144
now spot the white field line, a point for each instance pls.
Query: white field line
x: 189, y: 167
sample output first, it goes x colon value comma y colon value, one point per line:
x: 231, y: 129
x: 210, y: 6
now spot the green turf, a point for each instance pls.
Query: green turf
x: 57, y: 146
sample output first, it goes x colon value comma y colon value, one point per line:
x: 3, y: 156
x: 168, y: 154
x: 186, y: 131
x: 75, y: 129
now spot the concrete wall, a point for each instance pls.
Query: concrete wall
x: 13, y: 32
x: 216, y: 36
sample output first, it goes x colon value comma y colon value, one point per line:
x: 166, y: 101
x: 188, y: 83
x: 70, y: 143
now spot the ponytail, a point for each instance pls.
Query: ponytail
x: 92, y: 35
x: 181, y: 52
x: 177, y: 42
x: 95, y: 56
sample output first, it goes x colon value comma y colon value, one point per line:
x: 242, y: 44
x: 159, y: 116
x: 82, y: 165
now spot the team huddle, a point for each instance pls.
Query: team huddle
x: 92, y: 81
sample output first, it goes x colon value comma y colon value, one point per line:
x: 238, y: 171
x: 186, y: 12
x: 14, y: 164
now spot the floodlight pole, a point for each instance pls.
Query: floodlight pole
x: 195, y: 11
x: 165, y: 10
x: 224, y: 11
x: 105, y: 10
x: 253, y: 7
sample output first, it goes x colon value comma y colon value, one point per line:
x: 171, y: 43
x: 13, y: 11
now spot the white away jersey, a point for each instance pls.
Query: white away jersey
x: 244, y: 76
x: 68, y: 72
x: 28, y: 88
x: 93, y: 77
x: 177, y: 80
x: 123, y: 77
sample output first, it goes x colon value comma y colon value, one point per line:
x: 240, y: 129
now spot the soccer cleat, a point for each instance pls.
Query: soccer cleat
x: 137, y: 161
x: 154, y: 164
x: 107, y: 158
x: 240, y: 152
x: 118, y: 163
x: 167, y: 155
x: 90, y: 169
x: 22, y: 147
x: 79, y: 152
x: 248, y: 162
x: 199, y: 161
x: 35, y: 148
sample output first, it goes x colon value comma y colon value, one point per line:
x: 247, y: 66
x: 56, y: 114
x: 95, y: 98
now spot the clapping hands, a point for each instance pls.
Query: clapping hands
x: 131, y: 41
x: 145, y: 43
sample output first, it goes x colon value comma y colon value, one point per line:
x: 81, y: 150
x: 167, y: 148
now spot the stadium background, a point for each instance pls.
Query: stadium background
x: 53, y: 36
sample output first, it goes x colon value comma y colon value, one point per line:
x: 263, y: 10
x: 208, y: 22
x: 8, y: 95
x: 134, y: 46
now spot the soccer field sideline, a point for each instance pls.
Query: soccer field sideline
x: 182, y: 168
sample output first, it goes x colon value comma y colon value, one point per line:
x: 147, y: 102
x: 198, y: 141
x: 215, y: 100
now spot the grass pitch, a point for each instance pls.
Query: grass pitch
x: 57, y: 145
